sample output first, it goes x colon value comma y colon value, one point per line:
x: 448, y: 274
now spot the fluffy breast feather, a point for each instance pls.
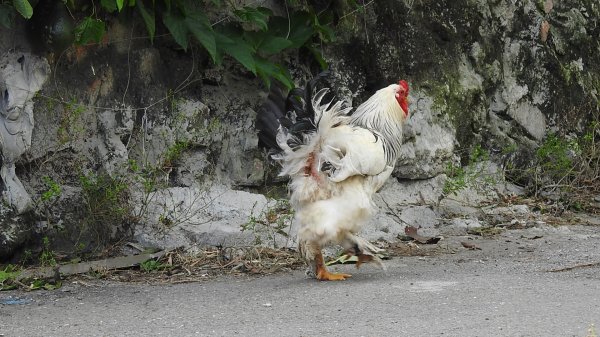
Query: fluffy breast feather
x: 331, y: 220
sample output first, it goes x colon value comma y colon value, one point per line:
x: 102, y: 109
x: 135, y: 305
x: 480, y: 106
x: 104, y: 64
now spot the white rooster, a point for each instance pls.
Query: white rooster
x: 336, y: 161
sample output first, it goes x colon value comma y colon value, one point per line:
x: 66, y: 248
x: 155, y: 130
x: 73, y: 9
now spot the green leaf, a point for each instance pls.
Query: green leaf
x: 259, y: 16
x: 267, y: 70
x: 284, y: 77
x: 149, y: 19
x: 52, y: 286
x: 7, y: 276
x: 300, y: 35
x: 177, y: 27
x: 297, y: 29
x: 318, y: 56
x: 266, y: 43
x: 200, y: 27
x: 254, y: 38
x: 24, y: 8
x: 242, y: 52
x: 325, y: 33
x: 109, y: 5
x: 89, y: 30
x: 43, y: 284
x: 274, y: 45
x: 7, y: 14
x: 229, y: 41
x: 120, y: 4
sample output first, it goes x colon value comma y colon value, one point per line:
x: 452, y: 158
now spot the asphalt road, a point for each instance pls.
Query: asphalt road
x: 507, y: 288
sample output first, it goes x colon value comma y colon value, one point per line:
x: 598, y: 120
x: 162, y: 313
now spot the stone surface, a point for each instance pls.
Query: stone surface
x: 429, y: 141
x: 14, y: 231
x: 21, y: 77
x: 200, y: 216
x: 481, y: 75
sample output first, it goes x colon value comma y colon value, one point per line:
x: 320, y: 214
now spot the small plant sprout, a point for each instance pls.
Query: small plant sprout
x: 47, y: 255
x: 473, y: 175
x: 53, y: 190
x: 271, y: 222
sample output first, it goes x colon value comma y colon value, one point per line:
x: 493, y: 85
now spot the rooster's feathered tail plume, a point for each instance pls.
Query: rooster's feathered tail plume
x: 294, y: 113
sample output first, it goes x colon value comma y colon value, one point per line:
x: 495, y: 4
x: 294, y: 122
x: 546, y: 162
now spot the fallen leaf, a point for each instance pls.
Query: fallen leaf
x: 544, y: 30
x: 411, y: 231
x: 351, y: 259
x: 469, y: 245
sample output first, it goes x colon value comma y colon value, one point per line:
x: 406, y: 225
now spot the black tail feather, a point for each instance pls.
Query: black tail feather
x: 294, y: 112
x: 269, y: 118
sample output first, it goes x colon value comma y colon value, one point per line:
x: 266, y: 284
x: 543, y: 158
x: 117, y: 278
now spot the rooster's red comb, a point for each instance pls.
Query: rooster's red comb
x: 404, y: 85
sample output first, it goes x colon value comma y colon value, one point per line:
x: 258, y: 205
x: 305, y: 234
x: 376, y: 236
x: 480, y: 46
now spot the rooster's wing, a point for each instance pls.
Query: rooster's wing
x: 350, y: 150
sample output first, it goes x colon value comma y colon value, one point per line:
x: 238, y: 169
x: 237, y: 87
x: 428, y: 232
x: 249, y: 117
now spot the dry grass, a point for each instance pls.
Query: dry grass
x: 591, y: 331
x: 180, y: 267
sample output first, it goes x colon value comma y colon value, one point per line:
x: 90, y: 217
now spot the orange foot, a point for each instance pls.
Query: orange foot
x: 324, y: 275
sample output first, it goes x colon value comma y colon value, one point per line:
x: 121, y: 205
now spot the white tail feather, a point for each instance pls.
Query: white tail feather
x: 293, y: 161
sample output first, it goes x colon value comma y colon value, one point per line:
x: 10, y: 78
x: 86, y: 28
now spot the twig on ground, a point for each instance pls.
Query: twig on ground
x: 583, y: 265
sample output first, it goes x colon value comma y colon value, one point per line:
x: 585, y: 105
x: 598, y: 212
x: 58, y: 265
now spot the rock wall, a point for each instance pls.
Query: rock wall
x: 142, y: 141
x: 501, y: 73
x: 22, y: 77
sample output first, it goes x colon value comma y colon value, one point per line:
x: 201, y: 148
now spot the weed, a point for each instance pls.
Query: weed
x: 456, y: 181
x: 473, y: 175
x: 9, y: 280
x: 151, y: 180
x: 53, y: 190
x: 106, y: 202
x: 69, y: 126
x: 38, y: 284
x: 104, y: 194
x: 567, y: 169
x: 509, y: 149
x: 27, y: 257
x: 173, y: 153
x: 79, y: 247
x: 47, y: 256
x: 270, y: 222
x: 555, y: 157
x: 7, y: 276
x: 152, y: 265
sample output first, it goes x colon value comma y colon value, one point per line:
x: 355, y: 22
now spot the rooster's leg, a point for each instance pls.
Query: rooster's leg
x: 362, y: 259
x: 323, y: 274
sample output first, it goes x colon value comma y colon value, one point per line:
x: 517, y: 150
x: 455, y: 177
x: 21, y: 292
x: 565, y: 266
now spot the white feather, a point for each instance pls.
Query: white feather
x: 361, y: 150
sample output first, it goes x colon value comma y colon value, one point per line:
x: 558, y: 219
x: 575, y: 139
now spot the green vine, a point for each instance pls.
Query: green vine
x: 252, y: 36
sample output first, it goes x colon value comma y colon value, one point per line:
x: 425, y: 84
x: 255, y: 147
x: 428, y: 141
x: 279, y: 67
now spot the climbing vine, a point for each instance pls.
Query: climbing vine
x: 251, y: 35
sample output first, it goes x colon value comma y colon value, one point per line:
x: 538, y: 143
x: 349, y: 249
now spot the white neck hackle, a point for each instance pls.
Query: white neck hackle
x: 383, y: 115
